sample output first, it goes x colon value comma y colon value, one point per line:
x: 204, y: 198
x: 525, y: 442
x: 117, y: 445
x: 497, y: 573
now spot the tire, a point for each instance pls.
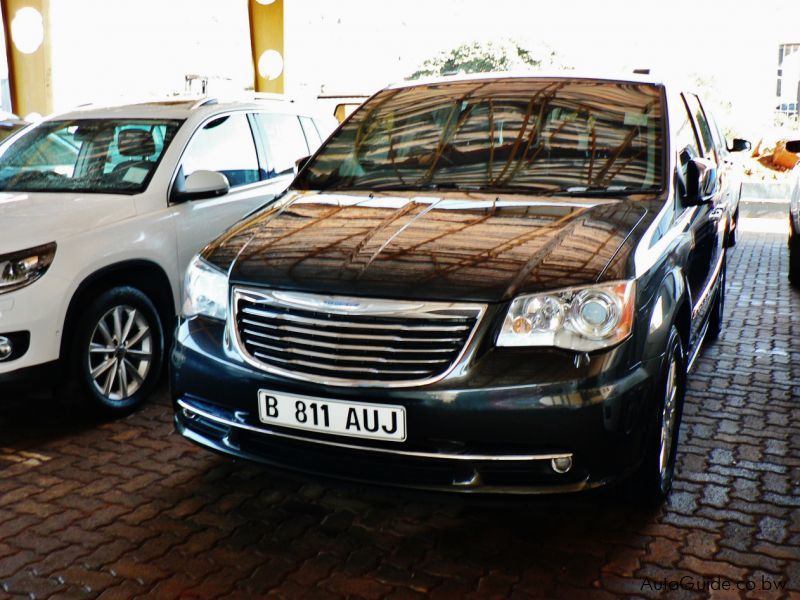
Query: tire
x: 715, y: 319
x: 652, y: 481
x: 794, y: 255
x: 117, y: 354
x: 730, y: 239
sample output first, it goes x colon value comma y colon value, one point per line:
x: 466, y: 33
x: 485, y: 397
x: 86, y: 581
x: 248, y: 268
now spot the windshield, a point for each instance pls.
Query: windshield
x: 547, y: 135
x: 86, y: 155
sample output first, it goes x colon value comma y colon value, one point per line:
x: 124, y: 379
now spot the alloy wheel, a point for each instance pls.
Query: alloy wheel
x: 120, y: 352
x: 668, y: 420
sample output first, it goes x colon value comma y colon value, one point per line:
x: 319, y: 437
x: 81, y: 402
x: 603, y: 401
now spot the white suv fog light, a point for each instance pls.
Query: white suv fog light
x: 562, y: 464
x: 5, y: 348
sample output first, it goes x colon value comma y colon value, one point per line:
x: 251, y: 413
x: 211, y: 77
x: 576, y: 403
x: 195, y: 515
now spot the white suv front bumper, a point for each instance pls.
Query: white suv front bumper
x: 38, y: 309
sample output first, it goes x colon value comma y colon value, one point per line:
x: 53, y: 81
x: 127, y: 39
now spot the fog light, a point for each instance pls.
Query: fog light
x: 561, y: 464
x: 5, y: 348
x: 188, y: 414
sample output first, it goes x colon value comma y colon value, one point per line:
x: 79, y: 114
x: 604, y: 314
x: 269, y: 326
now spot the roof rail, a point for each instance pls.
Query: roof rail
x: 204, y: 102
x: 271, y: 96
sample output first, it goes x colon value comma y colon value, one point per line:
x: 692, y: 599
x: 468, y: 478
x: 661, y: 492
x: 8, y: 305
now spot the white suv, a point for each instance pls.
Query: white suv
x: 101, y: 211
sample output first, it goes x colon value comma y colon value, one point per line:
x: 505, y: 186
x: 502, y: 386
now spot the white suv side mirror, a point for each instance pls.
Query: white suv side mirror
x: 202, y: 184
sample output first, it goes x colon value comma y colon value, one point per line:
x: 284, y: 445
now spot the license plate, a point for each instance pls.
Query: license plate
x: 355, y: 419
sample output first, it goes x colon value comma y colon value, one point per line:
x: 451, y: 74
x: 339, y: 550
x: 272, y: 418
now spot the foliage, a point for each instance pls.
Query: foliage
x: 482, y: 57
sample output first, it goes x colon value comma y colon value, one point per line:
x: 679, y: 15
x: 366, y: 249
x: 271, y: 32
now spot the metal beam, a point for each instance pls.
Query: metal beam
x: 26, y: 24
x: 266, y: 42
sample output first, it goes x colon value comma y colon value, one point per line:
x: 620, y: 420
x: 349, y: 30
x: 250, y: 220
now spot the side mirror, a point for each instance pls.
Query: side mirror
x: 201, y: 184
x: 740, y: 145
x: 701, y: 181
x: 341, y: 112
x: 793, y: 146
x: 300, y: 163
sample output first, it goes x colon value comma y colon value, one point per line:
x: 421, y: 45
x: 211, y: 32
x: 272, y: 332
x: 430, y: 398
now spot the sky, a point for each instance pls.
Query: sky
x: 732, y: 43
x: 106, y: 50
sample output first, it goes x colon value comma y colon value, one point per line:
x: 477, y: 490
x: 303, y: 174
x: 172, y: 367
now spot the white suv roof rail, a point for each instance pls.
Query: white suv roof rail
x: 271, y: 96
x: 204, y: 102
x: 258, y: 96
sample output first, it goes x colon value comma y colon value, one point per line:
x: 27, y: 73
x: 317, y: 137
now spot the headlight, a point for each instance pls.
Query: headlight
x: 581, y: 319
x: 19, y: 269
x: 205, y: 291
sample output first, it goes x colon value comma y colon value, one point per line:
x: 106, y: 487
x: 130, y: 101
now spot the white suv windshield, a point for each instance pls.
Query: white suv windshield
x: 116, y: 156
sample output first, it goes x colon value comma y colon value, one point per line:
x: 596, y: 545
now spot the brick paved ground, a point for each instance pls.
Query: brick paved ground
x: 128, y: 508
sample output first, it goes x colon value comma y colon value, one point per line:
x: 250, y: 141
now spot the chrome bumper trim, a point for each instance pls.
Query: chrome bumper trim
x: 469, y: 457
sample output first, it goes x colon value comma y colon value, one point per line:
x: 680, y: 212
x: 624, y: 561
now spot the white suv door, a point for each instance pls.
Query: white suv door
x: 225, y: 144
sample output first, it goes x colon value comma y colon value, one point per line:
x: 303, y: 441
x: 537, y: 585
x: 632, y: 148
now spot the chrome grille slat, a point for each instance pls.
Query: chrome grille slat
x: 351, y: 336
x: 336, y: 368
x: 343, y: 346
x: 346, y: 357
x: 337, y: 340
x: 350, y: 325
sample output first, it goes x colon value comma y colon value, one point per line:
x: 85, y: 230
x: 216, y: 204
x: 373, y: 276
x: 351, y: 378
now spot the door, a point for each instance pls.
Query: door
x: 224, y: 144
x: 707, y: 224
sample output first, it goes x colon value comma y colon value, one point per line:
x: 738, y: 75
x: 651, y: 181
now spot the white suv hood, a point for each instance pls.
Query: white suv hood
x: 30, y: 219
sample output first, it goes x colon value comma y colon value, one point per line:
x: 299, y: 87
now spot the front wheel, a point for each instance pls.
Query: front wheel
x: 117, y: 354
x: 653, y: 479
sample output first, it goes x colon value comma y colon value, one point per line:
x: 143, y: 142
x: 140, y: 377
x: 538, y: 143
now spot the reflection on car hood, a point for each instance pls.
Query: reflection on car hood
x: 30, y: 219
x: 448, y: 247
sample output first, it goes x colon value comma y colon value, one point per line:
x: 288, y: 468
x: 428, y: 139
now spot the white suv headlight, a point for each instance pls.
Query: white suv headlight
x: 205, y: 291
x: 581, y: 318
x: 19, y: 269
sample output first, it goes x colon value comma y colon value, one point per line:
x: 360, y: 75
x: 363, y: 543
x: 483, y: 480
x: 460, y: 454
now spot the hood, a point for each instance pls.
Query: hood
x: 468, y: 248
x: 30, y: 219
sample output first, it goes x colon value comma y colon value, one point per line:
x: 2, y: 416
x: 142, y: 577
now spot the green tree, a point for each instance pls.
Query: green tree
x: 482, y: 57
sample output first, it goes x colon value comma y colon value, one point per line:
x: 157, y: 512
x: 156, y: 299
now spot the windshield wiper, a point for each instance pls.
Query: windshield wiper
x: 426, y: 187
x: 601, y: 190
x: 460, y: 187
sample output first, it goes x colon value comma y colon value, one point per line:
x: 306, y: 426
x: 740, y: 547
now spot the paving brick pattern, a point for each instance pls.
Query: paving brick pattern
x: 128, y: 509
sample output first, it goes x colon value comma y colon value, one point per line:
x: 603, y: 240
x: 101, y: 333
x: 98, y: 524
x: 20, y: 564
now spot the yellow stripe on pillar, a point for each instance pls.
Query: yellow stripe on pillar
x: 266, y: 41
x: 27, y: 30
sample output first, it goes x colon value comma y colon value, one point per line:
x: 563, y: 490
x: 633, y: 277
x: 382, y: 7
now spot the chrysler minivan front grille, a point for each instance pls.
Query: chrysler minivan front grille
x: 339, y: 340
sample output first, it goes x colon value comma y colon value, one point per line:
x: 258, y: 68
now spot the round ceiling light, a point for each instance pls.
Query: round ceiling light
x: 27, y: 30
x: 270, y: 64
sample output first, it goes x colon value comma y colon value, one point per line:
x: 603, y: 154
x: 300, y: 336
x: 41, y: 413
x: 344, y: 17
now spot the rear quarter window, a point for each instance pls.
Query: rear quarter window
x: 284, y: 139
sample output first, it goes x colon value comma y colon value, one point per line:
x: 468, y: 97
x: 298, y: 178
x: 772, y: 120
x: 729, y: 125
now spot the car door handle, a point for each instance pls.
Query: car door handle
x: 716, y: 214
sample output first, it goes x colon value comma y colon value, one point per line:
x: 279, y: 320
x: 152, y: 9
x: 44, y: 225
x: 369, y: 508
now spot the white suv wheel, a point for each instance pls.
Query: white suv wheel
x: 120, y: 352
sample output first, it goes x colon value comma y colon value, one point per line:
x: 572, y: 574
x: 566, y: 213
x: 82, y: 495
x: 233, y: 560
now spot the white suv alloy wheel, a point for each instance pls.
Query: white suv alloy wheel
x: 120, y: 352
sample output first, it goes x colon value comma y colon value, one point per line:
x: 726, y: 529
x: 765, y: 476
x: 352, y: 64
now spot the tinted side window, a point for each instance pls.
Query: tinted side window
x: 719, y: 136
x: 224, y: 145
x: 284, y: 139
x: 312, y: 135
x: 713, y: 130
x: 703, y: 128
x: 685, y: 138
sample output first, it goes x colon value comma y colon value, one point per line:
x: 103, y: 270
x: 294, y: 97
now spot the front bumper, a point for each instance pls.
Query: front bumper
x: 490, y: 430
x: 34, y: 314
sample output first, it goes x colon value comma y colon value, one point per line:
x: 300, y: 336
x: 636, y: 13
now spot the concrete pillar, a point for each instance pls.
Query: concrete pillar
x: 266, y: 42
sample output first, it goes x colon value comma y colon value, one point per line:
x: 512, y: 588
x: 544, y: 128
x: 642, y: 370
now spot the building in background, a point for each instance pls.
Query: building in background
x: 788, y: 90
